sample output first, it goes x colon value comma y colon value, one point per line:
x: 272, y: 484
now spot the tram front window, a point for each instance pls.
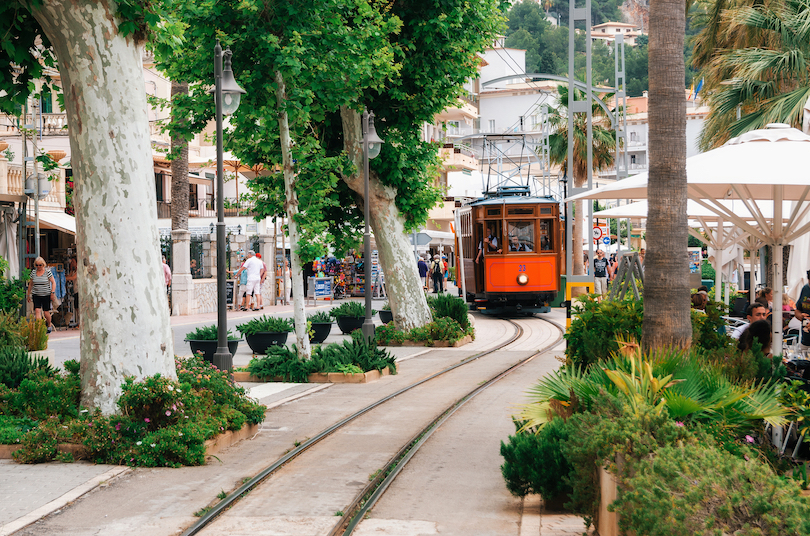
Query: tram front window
x: 521, y: 235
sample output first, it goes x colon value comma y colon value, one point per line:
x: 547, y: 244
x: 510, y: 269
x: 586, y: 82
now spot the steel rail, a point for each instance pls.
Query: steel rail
x: 366, y: 499
x: 234, y: 496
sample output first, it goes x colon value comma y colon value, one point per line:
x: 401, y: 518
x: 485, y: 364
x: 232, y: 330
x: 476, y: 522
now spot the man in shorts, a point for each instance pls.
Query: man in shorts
x: 601, y: 270
x: 253, y: 268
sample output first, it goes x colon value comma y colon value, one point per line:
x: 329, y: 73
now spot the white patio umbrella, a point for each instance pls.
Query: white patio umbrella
x: 716, y: 236
x: 767, y: 165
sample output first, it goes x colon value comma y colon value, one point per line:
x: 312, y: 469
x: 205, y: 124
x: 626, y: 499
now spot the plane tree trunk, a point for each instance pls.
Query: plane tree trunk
x: 408, y: 304
x: 125, y: 329
x: 291, y: 206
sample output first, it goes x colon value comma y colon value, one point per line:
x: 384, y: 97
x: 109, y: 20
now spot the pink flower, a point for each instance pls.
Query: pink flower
x: 118, y: 426
x: 749, y: 439
x: 678, y: 423
x: 168, y: 412
x: 147, y: 420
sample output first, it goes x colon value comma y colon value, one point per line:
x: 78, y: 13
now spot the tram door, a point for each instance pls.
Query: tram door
x: 479, y: 266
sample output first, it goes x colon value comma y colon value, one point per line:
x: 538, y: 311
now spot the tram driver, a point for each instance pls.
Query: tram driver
x: 516, y: 244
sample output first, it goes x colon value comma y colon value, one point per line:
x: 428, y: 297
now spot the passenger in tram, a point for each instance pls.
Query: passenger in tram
x: 490, y: 243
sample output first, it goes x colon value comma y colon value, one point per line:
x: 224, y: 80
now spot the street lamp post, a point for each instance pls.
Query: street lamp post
x: 371, y: 148
x: 227, y: 94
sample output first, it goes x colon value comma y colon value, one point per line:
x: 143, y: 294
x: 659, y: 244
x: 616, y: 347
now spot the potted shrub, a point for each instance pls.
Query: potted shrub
x: 321, y: 323
x: 204, y: 339
x: 350, y: 316
x: 265, y: 331
x: 386, y: 315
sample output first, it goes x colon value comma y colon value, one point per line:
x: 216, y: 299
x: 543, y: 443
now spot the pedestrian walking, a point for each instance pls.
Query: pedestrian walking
x: 423, y: 271
x: 41, y: 290
x: 253, y: 268
x: 167, y: 276
x: 437, y: 273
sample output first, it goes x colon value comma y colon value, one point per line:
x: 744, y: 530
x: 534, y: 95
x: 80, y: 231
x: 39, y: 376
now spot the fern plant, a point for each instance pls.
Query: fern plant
x: 321, y: 317
x: 350, y: 308
x: 207, y: 333
x: 266, y: 324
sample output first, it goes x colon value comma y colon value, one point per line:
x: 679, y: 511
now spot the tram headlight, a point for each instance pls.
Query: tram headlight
x: 522, y: 279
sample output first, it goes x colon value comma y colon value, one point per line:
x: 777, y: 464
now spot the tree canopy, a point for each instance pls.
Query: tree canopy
x: 405, y: 61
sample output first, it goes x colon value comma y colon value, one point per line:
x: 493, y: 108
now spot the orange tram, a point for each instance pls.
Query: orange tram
x: 510, y: 252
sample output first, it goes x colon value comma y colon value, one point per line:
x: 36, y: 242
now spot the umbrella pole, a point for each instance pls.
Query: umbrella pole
x: 776, y: 315
x: 718, y: 263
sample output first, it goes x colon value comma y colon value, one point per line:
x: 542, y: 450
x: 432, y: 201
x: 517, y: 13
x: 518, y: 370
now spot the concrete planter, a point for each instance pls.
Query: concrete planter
x: 347, y: 324
x: 209, y: 348
x: 49, y: 354
x: 260, y: 342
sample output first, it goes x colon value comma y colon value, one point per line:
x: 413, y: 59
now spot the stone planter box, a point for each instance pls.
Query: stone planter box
x: 230, y: 438
x: 435, y: 344
x: 320, y: 377
x: 212, y: 446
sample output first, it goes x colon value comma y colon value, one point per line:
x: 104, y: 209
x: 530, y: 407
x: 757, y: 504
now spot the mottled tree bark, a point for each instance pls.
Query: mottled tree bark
x: 667, y: 320
x: 402, y: 282
x: 125, y: 327
x: 291, y: 206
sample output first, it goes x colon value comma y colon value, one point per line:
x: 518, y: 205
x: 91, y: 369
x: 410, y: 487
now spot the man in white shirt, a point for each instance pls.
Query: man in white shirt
x: 756, y: 311
x: 253, y: 267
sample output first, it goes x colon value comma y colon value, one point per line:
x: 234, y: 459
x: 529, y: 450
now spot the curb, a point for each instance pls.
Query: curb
x: 61, y: 502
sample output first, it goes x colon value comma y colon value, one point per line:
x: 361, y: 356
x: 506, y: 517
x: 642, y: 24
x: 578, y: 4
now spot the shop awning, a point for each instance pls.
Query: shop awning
x: 58, y: 220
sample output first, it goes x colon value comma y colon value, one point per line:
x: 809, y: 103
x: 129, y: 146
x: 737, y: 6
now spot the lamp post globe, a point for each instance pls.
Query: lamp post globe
x: 372, y: 144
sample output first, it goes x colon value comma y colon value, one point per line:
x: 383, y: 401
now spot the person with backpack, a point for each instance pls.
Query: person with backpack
x: 437, y: 273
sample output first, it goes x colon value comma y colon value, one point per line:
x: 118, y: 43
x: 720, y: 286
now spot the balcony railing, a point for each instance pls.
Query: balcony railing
x: 55, y: 123
x: 15, y: 185
x: 206, y: 207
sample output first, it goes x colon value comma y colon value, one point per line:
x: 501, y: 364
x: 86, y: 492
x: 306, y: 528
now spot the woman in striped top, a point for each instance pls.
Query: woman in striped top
x: 41, y: 288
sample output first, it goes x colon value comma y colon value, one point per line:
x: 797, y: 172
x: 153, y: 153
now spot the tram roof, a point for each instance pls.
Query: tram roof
x: 514, y: 200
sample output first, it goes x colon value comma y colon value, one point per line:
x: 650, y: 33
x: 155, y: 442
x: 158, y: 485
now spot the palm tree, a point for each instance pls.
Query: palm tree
x: 759, y: 68
x: 604, y: 145
x: 667, y: 320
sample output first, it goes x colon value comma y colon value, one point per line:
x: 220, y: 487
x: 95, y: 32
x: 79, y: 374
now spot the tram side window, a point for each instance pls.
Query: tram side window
x: 546, y: 243
x: 521, y: 235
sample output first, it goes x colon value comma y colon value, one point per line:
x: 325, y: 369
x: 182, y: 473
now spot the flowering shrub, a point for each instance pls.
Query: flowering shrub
x: 163, y: 422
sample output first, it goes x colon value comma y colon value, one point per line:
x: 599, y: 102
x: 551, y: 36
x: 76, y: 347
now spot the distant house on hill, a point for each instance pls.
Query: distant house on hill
x: 607, y: 31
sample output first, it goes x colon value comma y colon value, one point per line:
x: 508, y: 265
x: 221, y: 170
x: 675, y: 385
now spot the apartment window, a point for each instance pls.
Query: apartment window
x: 633, y: 136
x: 521, y: 122
x: 159, y: 180
x: 492, y: 125
x: 632, y: 159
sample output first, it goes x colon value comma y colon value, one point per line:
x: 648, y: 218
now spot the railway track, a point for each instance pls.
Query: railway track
x: 412, y: 408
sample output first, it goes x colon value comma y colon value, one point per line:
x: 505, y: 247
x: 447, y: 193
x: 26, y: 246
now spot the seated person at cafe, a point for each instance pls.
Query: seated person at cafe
x: 759, y: 331
x: 755, y: 311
